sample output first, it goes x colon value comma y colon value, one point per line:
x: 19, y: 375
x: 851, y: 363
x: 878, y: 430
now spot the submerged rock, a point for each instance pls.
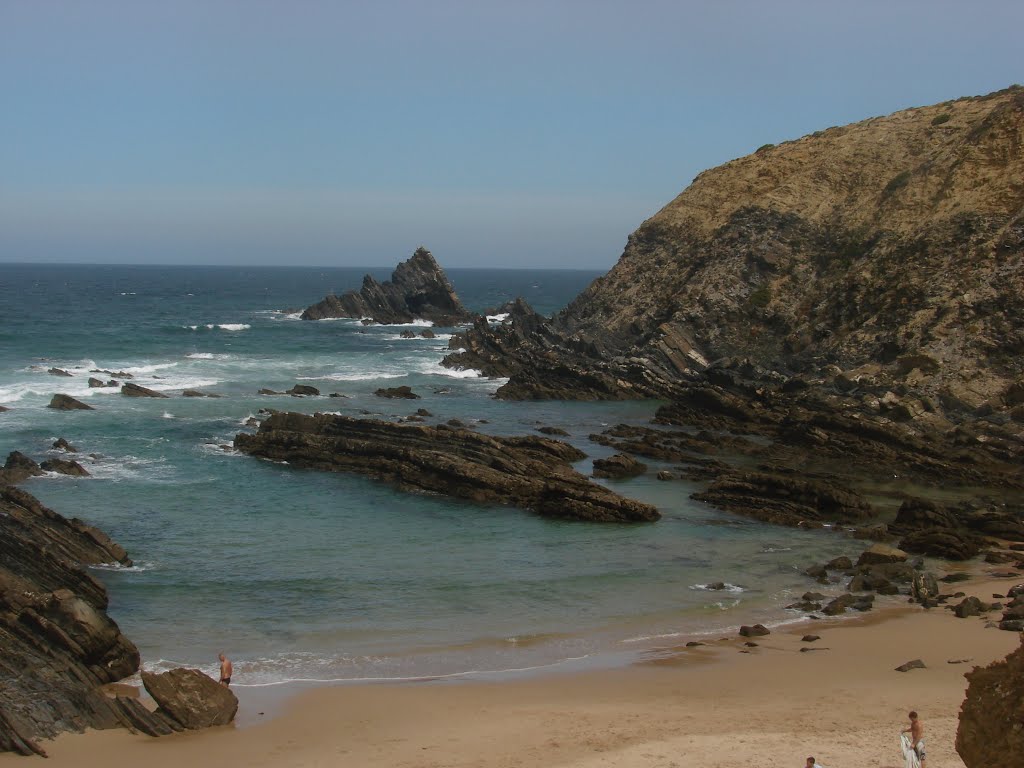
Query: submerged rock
x: 530, y: 471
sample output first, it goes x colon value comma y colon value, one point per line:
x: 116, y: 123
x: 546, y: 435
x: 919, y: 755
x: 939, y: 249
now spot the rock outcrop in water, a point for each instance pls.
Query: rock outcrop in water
x: 531, y: 472
x: 418, y: 290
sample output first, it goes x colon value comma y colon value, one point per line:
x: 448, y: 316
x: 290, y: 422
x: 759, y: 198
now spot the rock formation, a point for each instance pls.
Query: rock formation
x: 531, y: 472
x: 191, y: 698
x: 59, y: 646
x: 418, y: 290
x: 815, y: 258
x: 135, y: 390
x: 68, y: 403
x: 991, y: 730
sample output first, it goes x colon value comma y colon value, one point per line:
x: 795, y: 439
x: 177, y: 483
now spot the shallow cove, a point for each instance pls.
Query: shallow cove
x: 300, y: 575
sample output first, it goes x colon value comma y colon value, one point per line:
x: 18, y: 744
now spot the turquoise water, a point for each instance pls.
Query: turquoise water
x: 300, y: 575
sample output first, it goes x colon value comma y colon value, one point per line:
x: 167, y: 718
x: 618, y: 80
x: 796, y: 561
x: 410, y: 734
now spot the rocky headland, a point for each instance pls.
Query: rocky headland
x: 418, y: 290
x: 824, y: 319
x: 532, y: 472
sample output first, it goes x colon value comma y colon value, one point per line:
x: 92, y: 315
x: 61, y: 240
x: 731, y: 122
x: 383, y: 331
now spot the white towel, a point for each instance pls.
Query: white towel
x: 910, y: 759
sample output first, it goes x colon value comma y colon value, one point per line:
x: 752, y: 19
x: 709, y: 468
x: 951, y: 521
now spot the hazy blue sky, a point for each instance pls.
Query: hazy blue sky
x: 514, y: 133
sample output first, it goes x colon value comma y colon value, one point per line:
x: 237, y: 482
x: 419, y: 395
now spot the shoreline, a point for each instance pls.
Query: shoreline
x: 720, y: 704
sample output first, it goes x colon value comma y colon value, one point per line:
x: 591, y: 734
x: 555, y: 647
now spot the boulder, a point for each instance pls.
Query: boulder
x: 303, y: 390
x: 757, y: 630
x: 842, y: 563
x: 265, y: 391
x: 553, y: 431
x: 881, y: 553
x: 991, y: 728
x: 970, y: 606
x: 67, y: 403
x: 947, y: 543
x: 924, y: 586
x: 94, y: 382
x: 407, y: 335
x: 191, y: 698
x: 906, y: 667
x: 61, y: 444
x: 58, y: 372
x: 428, y: 334
x: 19, y: 468
x: 197, y: 393
x: 618, y: 466
x: 399, y: 393
x: 64, y: 467
x: 135, y: 390
x: 664, y: 474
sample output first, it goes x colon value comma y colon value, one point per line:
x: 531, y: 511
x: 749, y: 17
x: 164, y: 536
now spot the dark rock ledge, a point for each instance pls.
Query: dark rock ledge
x: 530, y: 471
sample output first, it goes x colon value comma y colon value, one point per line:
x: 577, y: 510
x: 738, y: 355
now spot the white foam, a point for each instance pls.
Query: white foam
x: 727, y: 588
x: 365, y: 376
x: 435, y: 368
x: 168, y: 415
x: 137, y: 567
x: 498, y: 318
x: 234, y: 326
x: 208, y: 356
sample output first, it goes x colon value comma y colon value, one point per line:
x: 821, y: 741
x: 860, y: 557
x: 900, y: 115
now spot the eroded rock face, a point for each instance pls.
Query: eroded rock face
x: 191, y: 698
x: 817, y: 253
x: 991, y: 730
x: 59, y: 645
x: 418, y: 290
x: 532, y: 472
x: 68, y: 403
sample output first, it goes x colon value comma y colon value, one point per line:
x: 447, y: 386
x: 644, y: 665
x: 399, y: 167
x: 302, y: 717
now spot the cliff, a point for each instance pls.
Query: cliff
x: 883, y: 256
x: 418, y: 290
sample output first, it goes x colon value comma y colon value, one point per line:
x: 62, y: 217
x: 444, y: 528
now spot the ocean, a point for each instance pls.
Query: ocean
x: 308, y: 576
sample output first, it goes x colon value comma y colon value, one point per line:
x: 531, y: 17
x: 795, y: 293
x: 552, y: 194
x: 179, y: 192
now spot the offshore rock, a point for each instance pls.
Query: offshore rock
x: 191, y: 698
x: 19, y: 468
x: 618, y: 466
x: 991, y: 726
x: 418, y: 290
x: 68, y: 403
x: 532, y: 472
x: 64, y: 467
x: 59, y: 645
x: 135, y: 390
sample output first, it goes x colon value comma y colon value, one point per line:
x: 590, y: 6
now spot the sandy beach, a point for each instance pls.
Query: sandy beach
x: 718, y: 706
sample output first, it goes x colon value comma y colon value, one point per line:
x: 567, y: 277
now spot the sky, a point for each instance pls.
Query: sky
x: 498, y: 134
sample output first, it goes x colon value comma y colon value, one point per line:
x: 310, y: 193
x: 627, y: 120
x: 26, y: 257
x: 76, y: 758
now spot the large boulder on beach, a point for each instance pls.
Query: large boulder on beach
x: 191, y: 698
x: 947, y: 543
x: 418, y: 289
x: 991, y: 730
x: 881, y: 553
x: 61, y: 402
x: 135, y: 390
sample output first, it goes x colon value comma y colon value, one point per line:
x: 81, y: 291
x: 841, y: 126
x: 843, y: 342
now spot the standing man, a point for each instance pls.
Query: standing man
x: 225, y: 670
x: 916, y: 731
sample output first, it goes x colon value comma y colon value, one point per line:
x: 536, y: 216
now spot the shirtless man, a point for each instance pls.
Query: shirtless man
x: 916, y: 731
x: 225, y: 670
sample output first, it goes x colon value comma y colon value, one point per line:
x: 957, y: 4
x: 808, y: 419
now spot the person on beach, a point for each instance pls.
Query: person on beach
x: 811, y: 763
x: 916, y: 731
x: 225, y: 670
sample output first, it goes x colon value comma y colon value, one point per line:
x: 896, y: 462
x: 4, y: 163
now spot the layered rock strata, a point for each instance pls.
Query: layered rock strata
x: 418, y: 290
x: 530, y: 472
x: 59, y: 645
x: 880, y: 262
